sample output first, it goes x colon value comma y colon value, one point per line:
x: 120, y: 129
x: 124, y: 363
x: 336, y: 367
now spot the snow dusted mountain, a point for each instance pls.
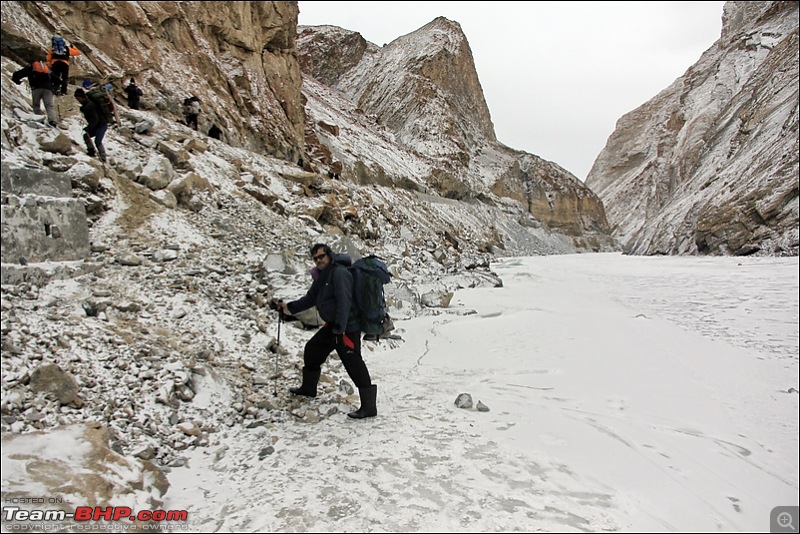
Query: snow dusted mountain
x: 710, y: 164
x: 141, y: 328
x: 420, y: 99
x: 150, y: 334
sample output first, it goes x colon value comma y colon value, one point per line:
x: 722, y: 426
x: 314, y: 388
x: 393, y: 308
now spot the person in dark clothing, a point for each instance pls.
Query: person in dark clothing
x: 215, y: 132
x: 332, y: 294
x: 134, y: 94
x: 96, y: 125
x: 191, y: 110
x: 39, y: 78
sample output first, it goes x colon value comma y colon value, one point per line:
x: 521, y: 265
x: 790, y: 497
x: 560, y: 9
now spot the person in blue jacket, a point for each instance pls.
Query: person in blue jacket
x: 332, y: 294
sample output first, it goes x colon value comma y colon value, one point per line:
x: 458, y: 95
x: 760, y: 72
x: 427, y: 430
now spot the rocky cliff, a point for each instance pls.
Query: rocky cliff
x: 189, y: 237
x: 710, y: 164
x: 239, y: 58
x: 421, y: 93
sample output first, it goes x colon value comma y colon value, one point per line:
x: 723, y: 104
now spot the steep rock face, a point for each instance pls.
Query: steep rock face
x: 328, y: 63
x: 426, y: 74
x: 417, y: 103
x: 421, y: 94
x: 237, y: 57
x: 710, y: 165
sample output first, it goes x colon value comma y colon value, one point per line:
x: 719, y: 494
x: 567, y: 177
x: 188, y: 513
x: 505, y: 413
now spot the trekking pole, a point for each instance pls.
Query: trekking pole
x: 57, y: 102
x: 277, y: 348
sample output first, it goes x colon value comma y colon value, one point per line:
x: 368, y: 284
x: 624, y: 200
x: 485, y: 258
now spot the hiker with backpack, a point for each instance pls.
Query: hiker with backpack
x: 39, y: 78
x: 134, y: 94
x: 96, y: 125
x: 101, y: 97
x: 332, y: 294
x: 58, y: 60
x: 191, y: 110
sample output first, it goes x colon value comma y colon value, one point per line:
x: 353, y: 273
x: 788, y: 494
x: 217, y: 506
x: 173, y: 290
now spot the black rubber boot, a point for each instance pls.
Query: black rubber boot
x: 368, y: 409
x: 89, y: 145
x: 310, y: 380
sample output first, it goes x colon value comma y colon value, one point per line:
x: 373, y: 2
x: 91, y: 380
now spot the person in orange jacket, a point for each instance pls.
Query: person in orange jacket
x: 58, y: 60
x: 41, y: 82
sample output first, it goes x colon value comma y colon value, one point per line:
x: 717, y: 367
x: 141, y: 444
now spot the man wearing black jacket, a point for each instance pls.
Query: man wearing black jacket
x: 332, y: 294
x: 96, y: 125
x: 38, y: 74
x: 134, y: 94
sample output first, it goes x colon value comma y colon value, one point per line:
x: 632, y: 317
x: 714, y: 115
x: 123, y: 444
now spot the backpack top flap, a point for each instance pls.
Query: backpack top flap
x: 59, y: 46
x: 375, y: 267
x: 340, y: 258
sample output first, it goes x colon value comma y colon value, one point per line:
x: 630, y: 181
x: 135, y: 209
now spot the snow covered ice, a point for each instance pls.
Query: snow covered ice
x: 633, y: 394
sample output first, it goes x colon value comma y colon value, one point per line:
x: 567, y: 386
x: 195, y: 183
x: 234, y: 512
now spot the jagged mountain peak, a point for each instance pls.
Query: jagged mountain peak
x: 342, y: 50
x: 423, y: 86
x: 441, y: 35
x: 424, y: 123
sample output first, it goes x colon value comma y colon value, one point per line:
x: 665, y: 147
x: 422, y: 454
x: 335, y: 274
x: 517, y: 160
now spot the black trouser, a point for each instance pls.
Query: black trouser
x: 60, y: 71
x: 321, y: 344
x: 98, y: 134
x: 191, y: 120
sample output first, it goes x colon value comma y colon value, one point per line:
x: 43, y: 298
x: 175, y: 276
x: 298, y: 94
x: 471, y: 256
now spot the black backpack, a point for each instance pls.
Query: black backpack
x: 103, y: 103
x: 370, y: 274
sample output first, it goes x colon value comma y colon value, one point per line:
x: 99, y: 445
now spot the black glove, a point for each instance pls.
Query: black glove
x: 343, y: 342
x: 277, y: 305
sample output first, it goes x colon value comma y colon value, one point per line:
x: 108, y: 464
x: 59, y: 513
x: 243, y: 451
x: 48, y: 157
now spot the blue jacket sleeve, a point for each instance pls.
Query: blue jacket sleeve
x: 306, y: 301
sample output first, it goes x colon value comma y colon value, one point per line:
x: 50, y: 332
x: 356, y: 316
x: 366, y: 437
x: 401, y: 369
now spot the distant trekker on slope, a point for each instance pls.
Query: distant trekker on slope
x: 191, y: 110
x: 58, y: 60
x: 134, y: 94
x: 96, y: 125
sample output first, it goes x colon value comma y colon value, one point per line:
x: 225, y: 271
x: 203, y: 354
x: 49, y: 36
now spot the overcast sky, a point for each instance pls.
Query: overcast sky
x: 556, y: 75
